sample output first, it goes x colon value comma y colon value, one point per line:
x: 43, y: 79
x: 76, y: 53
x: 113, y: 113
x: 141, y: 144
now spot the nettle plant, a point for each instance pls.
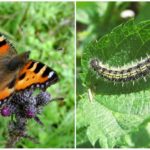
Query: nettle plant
x: 116, y: 74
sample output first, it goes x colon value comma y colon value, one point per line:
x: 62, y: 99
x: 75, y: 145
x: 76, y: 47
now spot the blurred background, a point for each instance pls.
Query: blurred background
x: 95, y: 19
x: 47, y: 31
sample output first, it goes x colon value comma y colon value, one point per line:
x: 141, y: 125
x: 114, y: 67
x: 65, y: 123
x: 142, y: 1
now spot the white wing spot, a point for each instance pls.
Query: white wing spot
x: 38, y: 85
x: 51, y: 74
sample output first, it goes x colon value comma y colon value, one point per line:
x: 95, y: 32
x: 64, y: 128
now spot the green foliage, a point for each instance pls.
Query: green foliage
x: 95, y: 19
x: 116, y: 116
x: 47, y: 30
x: 124, y: 44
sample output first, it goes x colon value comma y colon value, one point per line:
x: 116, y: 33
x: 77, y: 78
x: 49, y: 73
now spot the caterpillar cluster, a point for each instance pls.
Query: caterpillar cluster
x: 124, y: 74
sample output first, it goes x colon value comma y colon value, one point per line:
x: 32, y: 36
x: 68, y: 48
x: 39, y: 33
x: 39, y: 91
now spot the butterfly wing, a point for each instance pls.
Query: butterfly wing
x: 7, y: 91
x: 7, y: 51
x: 33, y: 74
x: 36, y: 75
x: 6, y: 48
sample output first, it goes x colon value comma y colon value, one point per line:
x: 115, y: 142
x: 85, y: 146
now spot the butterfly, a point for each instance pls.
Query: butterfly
x: 18, y: 72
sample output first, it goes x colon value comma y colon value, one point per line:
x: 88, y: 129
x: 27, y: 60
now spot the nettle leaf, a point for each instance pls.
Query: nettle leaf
x: 115, y: 110
x: 126, y: 43
x: 101, y: 123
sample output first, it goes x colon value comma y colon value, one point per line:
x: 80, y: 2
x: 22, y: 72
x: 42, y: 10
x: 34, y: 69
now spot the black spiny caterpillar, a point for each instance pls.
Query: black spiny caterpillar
x: 123, y: 74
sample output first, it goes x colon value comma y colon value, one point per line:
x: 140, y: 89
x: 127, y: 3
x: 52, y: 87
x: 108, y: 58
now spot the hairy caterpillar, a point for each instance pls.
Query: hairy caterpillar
x: 123, y: 74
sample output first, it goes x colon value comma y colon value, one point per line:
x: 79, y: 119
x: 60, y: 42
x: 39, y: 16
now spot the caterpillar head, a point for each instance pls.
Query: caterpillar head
x: 94, y: 63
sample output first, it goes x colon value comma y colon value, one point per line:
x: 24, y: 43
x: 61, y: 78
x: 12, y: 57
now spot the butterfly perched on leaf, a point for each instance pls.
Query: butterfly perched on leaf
x: 18, y: 72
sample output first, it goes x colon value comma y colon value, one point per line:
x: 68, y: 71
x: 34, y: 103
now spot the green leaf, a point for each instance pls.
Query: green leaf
x: 124, y: 44
x: 101, y: 123
x: 115, y: 111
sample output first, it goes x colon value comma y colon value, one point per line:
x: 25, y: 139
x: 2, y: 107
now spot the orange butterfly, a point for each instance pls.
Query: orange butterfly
x: 18, y: 73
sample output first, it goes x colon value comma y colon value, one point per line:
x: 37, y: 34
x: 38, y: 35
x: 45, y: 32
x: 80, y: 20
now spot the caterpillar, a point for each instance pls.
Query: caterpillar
x: 124, y: 74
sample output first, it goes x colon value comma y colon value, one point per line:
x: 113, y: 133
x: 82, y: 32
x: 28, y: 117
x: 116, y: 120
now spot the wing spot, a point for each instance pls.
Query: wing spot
x: 51, y: 74
x: 12, y: 83
x: 3, y: 42
x: 22, y: 76
x: 38, y: 67
x: 31, y: 65
x: 46, y: 72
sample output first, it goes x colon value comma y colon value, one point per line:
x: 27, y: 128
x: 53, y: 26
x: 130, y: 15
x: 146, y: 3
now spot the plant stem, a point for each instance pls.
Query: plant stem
x: 11, y: 143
